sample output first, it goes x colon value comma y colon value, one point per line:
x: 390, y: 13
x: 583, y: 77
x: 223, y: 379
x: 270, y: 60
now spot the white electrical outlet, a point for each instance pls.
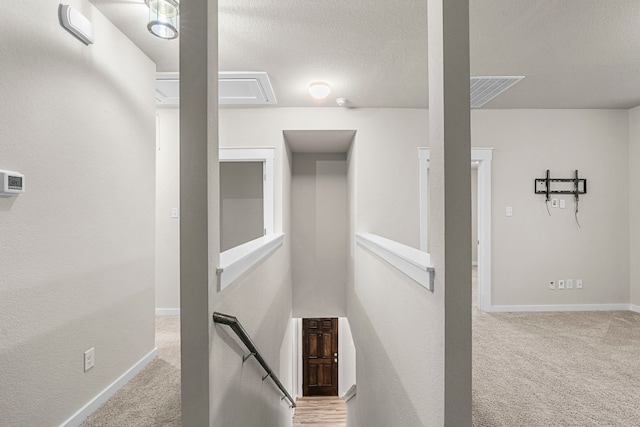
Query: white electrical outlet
x: 552, y: 285
x: 509, y: 211
x: 560, y: 284
x: 89, y: 358
x: 563, y: 203
x: 554, y: 203
x: 569, y: 283
x: 579, y: 283
x: 175, y: 213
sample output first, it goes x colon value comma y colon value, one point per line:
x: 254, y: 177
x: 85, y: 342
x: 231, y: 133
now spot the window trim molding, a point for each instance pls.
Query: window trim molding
x: 484, y: 157
x: 266, y: 155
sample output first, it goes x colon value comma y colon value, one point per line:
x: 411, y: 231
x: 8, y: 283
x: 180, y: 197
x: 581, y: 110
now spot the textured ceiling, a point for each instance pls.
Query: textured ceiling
x: 574, y: 53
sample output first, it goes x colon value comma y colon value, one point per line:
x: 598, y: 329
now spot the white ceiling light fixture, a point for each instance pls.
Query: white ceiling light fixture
x: 163, y: 18
x: 319, y: 90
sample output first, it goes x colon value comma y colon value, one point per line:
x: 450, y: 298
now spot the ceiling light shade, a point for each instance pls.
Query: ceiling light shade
x: 163, y: 18
x: 319, y: 90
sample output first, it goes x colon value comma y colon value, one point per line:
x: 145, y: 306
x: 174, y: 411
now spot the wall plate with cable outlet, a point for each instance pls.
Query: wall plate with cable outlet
x: 561, y: 284
x: 552, y: 284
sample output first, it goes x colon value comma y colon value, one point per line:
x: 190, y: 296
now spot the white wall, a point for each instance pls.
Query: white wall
x: 396, y: 323
x: 262, y: 301
x: 634, y: 204
x: 530, y: 248
x: 77, y: 249
x: 398, y: 132
x: 347, y: 357
x: 319, y: 234
x: 167, y: 198
x: 352, y: 414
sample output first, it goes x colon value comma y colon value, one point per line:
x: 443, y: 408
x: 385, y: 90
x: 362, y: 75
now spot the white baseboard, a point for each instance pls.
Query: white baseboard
x: 78, y: 418
x: 167, y: 311
x: 559, y: 307
x: 635, y: 308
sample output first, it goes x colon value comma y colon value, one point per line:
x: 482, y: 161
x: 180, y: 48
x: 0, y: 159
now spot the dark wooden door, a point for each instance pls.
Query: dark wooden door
x: 320, y: 357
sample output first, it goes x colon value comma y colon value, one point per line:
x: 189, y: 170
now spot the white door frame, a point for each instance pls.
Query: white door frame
x: 484, y: 157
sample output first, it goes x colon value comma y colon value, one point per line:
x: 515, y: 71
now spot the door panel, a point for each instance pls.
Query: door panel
x: 320, y: 357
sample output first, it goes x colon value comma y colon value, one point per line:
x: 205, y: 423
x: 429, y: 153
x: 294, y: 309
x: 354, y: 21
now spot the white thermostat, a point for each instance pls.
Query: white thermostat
x: 11, y: 183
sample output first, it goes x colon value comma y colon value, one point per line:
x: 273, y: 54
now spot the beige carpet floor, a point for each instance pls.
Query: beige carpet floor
x: 151, y: 398
x: 529, y: 370
x: 556, y: 369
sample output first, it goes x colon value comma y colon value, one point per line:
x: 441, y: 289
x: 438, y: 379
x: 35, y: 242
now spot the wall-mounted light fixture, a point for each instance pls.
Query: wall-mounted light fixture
x: 319, y: 90
x: 163, y: 18
x: 76, y: 23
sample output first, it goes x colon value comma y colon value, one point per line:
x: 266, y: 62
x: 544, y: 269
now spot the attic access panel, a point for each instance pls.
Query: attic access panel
x: 234, y: 88
x: 168, y: 88
x: 245, y: 88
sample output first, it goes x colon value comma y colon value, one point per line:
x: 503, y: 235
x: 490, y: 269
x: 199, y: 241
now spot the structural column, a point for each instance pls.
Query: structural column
x: 199, y: 200
x: 450, y: 195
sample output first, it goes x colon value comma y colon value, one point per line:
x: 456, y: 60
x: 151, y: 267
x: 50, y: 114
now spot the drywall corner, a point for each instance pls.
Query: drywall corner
x: 634, y: 205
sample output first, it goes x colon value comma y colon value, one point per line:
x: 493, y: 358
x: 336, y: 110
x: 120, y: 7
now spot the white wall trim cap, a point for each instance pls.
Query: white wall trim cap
x: 168, y: 311
x: 559, y: 307
x: 635, y: 308
x: 78, y: 418
x: 236, y: 261
x: 413, y: 262
x: 351, y: 393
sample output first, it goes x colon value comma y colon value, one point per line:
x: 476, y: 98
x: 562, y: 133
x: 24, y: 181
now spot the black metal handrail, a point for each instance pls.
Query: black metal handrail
x: 235, y: 325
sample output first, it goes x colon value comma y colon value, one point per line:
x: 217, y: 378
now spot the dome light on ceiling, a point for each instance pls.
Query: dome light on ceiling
x: 319, y: 90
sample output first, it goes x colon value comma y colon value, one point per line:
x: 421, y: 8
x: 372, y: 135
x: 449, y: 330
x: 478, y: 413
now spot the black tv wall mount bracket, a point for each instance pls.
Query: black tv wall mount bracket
x: 548, y: 186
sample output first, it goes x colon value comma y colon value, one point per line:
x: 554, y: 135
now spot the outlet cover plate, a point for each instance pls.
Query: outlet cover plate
x: 560, y: 284
x: 89, y: 358
x: 552, y: 285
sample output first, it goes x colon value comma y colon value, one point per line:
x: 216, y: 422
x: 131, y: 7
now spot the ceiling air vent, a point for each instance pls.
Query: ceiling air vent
x: 485, y: 88
x: 234, y: 88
